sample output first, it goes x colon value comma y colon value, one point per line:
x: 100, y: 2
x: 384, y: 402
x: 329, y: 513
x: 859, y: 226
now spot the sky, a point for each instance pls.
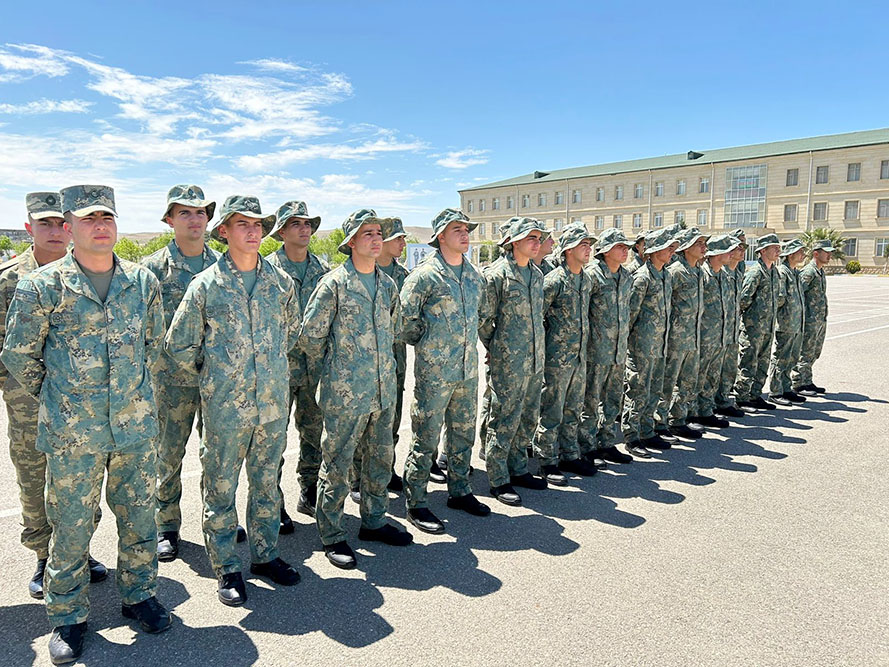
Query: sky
x: 395, y: 106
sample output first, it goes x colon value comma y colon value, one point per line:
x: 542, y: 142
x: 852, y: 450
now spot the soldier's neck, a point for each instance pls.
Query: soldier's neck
x: 43, y: 256
x: 384, y: 260
x: 296, y: 253
x: 95, y: 262
x: 243, y: 261
x: 657, y: 264
x: 190, y: 247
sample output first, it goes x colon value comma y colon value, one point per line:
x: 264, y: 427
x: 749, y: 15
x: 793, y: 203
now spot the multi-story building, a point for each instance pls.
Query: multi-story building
x: 786, y: 187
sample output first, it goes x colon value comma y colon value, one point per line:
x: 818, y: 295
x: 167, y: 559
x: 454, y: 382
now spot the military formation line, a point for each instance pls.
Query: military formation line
x: 107, y: 365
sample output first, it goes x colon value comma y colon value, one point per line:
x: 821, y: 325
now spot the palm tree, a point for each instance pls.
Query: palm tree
x: 821, y: 233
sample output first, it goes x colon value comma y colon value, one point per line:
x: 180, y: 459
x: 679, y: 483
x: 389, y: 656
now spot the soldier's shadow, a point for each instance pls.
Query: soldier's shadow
x: 587, y: 498
x: 849, y: 397
x: 21, y: 625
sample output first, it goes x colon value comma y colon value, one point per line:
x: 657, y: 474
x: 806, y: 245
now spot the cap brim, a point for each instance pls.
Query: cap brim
x: 209, y: 206
x: 81, y: 212
x: 394, y: 236
x: 767, y: 245
x: 315, y: 222
x: 717, y: 253
x: 46, y: 214
x: 830, y: 249
x: 344, y: 246
x: 658, y: 248
x: 606, y: 248
x: 544, y: 235
x: 268, y: 222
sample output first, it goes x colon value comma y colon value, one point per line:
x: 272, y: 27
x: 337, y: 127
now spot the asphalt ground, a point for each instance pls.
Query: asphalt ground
x: 764, y: 544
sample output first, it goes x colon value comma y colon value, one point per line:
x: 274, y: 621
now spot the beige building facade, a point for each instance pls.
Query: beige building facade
x: 838, y: 181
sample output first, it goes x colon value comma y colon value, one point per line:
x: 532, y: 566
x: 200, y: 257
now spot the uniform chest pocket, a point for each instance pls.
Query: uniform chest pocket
x: 64, y: 319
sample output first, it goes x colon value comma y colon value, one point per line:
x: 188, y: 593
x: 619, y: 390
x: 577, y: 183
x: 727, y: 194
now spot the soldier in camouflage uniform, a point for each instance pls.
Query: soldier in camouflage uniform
x: 718, y: 325
x: 50, y: 242
x: 512, y: 332
x: 566, y: 304
x: 606, y: 359
x: 758, y: 304
x: 178, y: 399
x: 637, y: 257
x: 789, y: 325
x: 682, y: 364
x: 544, y: 259
x: 295, y: 228
x: 649, y: 328
x: 814, y: 286
x: 233, y: 331
x: 440, y: 314
x: 83, y: 334
x: 350, y: 323
x: 725, y: 402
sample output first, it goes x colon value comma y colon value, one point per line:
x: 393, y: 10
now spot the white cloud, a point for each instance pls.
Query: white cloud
x: 44, y: 105
x: 468, y: 157
x: 274, y: 65
x: 25, y: 61
x: 365, y: 151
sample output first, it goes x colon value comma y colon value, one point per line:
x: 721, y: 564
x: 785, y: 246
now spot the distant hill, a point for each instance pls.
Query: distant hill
x: 423, y: 234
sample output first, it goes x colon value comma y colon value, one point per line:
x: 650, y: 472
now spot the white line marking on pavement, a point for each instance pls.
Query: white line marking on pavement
x: 855, y: 333
x: 15, y: 511
x: 856, y: 319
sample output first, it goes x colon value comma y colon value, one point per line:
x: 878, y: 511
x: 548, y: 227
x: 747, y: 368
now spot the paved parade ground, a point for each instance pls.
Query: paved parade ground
x: 764, y: 544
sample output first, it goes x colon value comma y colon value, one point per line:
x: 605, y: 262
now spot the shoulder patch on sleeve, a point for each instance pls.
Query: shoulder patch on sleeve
x: 24, y: 293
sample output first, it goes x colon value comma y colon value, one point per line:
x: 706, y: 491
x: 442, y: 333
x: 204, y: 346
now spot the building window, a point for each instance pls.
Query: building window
x: 600, y: 222
x: 495, y: 229
x: 820, y: 211
x: 702, y: 217
x: 853, y: 171
x: 678, y: 217
x: 495, y: 204
x: 850, y: 212
x: 469, y: 205
x: 884, y: 169
x: 850, y: 248
x: 822, y: 175
x: 638, y: 191
x: 880, y: 247
x: 883, y: 208
x: 481, y: 230
x: 559, y: 223
x: 600, y: 194
x: 618, y: 192
x: 575, y: 197
x: 659, y: 189
x: 705, y: 184
x: 658, y: 220
x: 792, y: 177
x: 481, y: 205
x: 790, y: 212
x: 509, y: 203
x: 560, y: 198
x: 541, y: 199
x: 526, y: 201
x: 637, y: 221
x: 618, y: 221
x: 745, y: 196
x: 680, y: 187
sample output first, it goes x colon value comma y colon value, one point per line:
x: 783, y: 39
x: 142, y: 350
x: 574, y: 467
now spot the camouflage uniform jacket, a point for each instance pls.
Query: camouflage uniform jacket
x: 609, y: 313
x: 739, y: 272
x: 566, y: 316
x: 717, y: 317
x: 299, y: 368
x: 512, y: 323
x: 650, y: 312
x: 237, y: 344
x: 758, y: 302
x: 10, y: 273
x: 399, y: 275
x: 440, y: 318
x: 353, y: 336
x: 634, y: 262
x: 686, y: 305
x: 89, y: 362
x: 791, y: 305
x: 547, y: 266
x: 814, y: 287
x: 731, y: 292
x: 170, y: 268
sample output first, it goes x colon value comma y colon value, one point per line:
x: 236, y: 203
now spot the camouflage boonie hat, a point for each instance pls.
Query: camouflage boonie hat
x: 572, y: 237
x: 639, y: 237
x: 612, y: 237
x: 721, y: 245
x: 43, y: 205
x: 764, y: 242
x: 188, y: 195
x: 393, y: 229
x: 446, y: 217
x: 688, y: 238
x: 519, y: 228
x: 676, y: 228
x: 245, y: 205
x: 505, y: 232
x: 739, y: 233
x: 824, y: 244
x: 81, y: 200
x: 294, y: 209
x: 659, y: 241
x: 361, y: 217
x: 791, y: 246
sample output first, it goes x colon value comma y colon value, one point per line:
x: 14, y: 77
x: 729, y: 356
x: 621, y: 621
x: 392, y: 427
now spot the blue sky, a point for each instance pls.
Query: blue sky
x: 396, y: 105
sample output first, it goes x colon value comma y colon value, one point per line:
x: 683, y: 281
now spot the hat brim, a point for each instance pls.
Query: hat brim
x: 279, y: 224
x: 268, y: 221
x: 394, y: 236
x: 686, y: 246
x: 344, y: 246
x: 788, y: 253
x: 592, y: 239
x: 46, y: 214
x: 81, y: 212
x: 767, y: 245
x: 209, y: 206
x: 717, y: 253
x: 829, y: 249
x: 544, y: 235
x: 606, y: 248
x: 658, y: 248
x: 470, y: 226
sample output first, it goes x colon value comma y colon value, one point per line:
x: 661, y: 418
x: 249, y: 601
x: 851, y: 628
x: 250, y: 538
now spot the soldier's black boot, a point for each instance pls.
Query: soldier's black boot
x: 395, y: 484
x: 232, y: 592
x: 240, y: 535
x: 436, y: 474
x: 35, y: 586
x: 307, y: 499
x: 286, y: 523
x: 277, y: 570
x: 98, y: 572
x: 425, y: 520
x: 151, y: 614
x: 469, y: 504
x: 553, y: 475
x: 793, y: 397
x: 614, y: 455
x: 66, y: 643
x: 167, y: 546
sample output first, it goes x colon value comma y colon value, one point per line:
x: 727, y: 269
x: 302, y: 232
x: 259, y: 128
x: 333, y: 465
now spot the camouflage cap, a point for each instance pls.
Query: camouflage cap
x: 721, y: 245
x: 640, y: 236
x: 359, y: 218
x: 43, y: 205
x: 739, y: 233
x: 393, y: 229
x: 294, y: 209
x: 791, y: 246
x: 764, y: 242
x: 446, y: 217
x: 659, y: 241
x: 688, y: 237
x: 505, y: 232
x: 612, y: 237
x: 81, y: 200
x: 573, y: 236
x: 519, y: 228
x: 676, y: 228
x: 824, y: 244
x: 188, y: 195
x: 245, y: 205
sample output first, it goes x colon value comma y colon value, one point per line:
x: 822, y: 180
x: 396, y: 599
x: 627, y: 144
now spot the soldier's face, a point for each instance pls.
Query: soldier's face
x: 395, y: 247
x: 737, y: 254
x: 96, y: 232
x: 49, y: 234
x: 188, y: 222
x: 242, y: 234
x: 581, y: 253
x: 455, y: 237
x: 663, y: 256
x: 640, y: 246
x: 696, y: 252
x: 546, y: 247
x: 368, y: 242
x: 296, y: 232
x: 617, y: 254
x: 822, y: 256
x: 528, y: 247
x: 770, y: 254
x: 795, y: 258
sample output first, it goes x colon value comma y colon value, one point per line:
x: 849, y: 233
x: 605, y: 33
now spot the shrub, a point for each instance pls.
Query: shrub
x: 853, y: 267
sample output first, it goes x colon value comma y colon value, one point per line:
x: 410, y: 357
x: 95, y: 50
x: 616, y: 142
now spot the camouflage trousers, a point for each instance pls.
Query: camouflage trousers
x: 485, y: 411
x: 645, y: 379
x: 727, y: 376
x: 601, y: 406
x: 223, y: 452
x: 561, y: 408
x: 515, y: 409
x: 74, y: 484
x: 176, y: 410
x: 309, y: 424
x: 708, y: 380
x: 436, y: 404
x: 680, y: 388
x: 344, y: 434
x: 753, y: 363
x: 355, y: 472
x: 784, y: 357
x: 812, y: 343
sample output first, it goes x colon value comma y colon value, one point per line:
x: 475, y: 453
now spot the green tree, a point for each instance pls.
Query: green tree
x: 218, y: 246
x: 268, y: 246
x: 128, y: 249
x: 20, y: 246
x: 5, y: 243
x: 837, y: 240
x: 160, y: 241
x: 326, y: 246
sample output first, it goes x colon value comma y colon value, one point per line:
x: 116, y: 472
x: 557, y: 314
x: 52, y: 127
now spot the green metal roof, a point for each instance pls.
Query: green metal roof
x: 752, y: 152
